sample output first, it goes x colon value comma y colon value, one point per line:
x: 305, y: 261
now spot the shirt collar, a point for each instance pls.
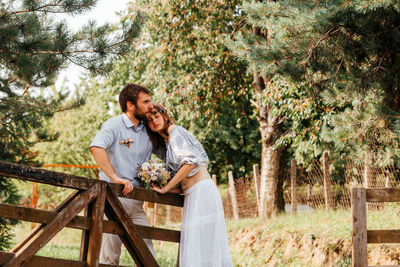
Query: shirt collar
x: 129, y: 124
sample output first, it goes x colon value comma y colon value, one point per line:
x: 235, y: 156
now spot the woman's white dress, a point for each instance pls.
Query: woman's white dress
x: 204, y: 241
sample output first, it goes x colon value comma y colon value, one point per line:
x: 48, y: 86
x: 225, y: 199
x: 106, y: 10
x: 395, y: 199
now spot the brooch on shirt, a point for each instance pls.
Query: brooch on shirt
x: 127, y: 142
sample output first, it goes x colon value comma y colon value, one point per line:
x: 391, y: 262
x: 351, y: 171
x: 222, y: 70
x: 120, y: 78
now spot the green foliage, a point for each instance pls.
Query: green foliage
x: 8, y: 194
x: 182, y: 59
x: 302, y: 113
x: 76, y: 129
x: 207, y: 90
x: 34, y: 47
x: 345, y: 56
x: 361, y: 129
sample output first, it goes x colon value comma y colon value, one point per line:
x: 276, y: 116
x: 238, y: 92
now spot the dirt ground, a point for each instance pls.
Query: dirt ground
x: 300, y: 249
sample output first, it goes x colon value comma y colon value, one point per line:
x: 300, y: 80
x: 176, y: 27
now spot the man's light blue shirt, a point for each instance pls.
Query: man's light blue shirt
x: 124, y: 158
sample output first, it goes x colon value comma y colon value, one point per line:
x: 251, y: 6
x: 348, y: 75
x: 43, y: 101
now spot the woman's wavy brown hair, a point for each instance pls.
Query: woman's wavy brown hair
x: 157, y: 140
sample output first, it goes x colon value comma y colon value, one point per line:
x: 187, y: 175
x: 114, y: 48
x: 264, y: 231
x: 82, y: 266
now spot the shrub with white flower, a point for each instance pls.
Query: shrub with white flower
x: 153, y: 172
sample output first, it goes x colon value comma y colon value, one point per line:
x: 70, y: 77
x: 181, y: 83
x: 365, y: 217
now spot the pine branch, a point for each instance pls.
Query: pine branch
x: 237, y: 27
x: 56, y: 4
x: 333, y: 30
x: 26, y: 89
x: 62, y: 52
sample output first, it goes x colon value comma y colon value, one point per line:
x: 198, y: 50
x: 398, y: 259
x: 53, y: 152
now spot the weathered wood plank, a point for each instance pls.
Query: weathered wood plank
x: 49, y: 262
x: 132, y: 240
x: 383, y: 195
x: 256, y: 177
x: 83, y: 250
x: 96, y: 227
x: 50, y: 230
x: 39, y: 227
x: 359, y: 212
x: 38, y: 175
x: 83, y: 223
x: 232, y: 193
x: 149, y: 195
x: 327, y: 181
x: 309, y: 195
x: 383, y: 236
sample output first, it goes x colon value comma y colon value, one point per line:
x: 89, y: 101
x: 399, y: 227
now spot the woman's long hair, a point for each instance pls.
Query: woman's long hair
x: 157, y: 140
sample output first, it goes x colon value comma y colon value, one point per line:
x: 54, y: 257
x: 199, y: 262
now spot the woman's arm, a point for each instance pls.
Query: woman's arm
x: 176, y: 190
x: 179, y: 176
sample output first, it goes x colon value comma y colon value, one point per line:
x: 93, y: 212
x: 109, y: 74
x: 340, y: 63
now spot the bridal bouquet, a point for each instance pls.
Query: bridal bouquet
x: 153, y: 172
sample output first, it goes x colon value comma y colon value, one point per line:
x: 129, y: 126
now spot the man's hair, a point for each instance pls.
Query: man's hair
x: 131, y: 93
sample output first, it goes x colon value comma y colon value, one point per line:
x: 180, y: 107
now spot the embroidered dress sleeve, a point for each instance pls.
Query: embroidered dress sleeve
x: 187, y: 150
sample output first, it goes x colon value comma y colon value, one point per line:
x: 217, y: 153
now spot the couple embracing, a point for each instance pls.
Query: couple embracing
x: 126, y: 141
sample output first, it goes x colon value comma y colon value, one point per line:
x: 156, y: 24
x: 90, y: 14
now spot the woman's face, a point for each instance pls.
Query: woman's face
x: 156, y: 122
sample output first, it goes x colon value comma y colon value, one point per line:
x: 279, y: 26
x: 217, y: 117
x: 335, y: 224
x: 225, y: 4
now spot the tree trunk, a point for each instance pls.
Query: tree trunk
x: 270, y: 184
x: 282, y: 176
x: 271, y: 130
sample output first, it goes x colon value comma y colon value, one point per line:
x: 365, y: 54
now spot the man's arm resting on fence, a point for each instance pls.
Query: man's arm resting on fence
x: 102, y: 160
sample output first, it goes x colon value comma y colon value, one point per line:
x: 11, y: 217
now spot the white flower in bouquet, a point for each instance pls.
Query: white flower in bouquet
x: 145, y: 166
x: 153, y: 172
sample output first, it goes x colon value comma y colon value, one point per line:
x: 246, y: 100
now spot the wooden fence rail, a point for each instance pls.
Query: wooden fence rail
x: 361, y: 236
x: 100, y: 198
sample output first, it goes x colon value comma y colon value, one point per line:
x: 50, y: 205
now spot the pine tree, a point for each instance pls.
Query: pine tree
x: 34, y: 47
x: 344, y: 52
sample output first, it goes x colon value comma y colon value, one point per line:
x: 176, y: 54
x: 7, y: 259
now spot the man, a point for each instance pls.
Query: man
x: 119, y: 148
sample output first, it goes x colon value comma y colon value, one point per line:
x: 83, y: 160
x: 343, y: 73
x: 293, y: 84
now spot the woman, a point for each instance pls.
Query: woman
x: 203, y: 240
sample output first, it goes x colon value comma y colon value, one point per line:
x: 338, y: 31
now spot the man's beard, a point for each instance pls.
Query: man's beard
x: 140, y: 116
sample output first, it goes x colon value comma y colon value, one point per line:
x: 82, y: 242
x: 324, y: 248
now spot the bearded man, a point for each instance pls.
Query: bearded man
x: 119, y: 148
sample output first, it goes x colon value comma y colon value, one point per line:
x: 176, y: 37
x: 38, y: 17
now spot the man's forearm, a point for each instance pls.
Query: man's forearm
x: 102, y: 160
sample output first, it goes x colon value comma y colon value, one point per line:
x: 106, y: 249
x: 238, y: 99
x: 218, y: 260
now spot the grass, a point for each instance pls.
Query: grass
x: 66, y: 245
x: 330, y: 229
x: 252, y: 240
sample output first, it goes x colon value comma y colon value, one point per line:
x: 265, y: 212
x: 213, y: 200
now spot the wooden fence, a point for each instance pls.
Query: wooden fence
x: 361, y: 235
x: 100, y: 198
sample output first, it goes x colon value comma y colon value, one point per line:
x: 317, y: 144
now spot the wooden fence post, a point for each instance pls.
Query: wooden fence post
x: 293, y: 182
x: 214, y: 177
x: 359, y: 212
x: 232, y: 192
x: 96, y: 228
x: 309, y: 195
x: 387, y: 178
x: 327, y: 181
x: 256, y: 177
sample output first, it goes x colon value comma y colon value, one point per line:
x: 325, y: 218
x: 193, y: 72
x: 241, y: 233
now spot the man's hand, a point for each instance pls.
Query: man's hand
x: 128, y: 187
x: 159, y: 190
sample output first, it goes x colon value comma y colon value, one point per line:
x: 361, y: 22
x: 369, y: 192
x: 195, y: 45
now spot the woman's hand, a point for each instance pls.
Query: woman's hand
x: 159, y: 190
x: 128, y: 187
